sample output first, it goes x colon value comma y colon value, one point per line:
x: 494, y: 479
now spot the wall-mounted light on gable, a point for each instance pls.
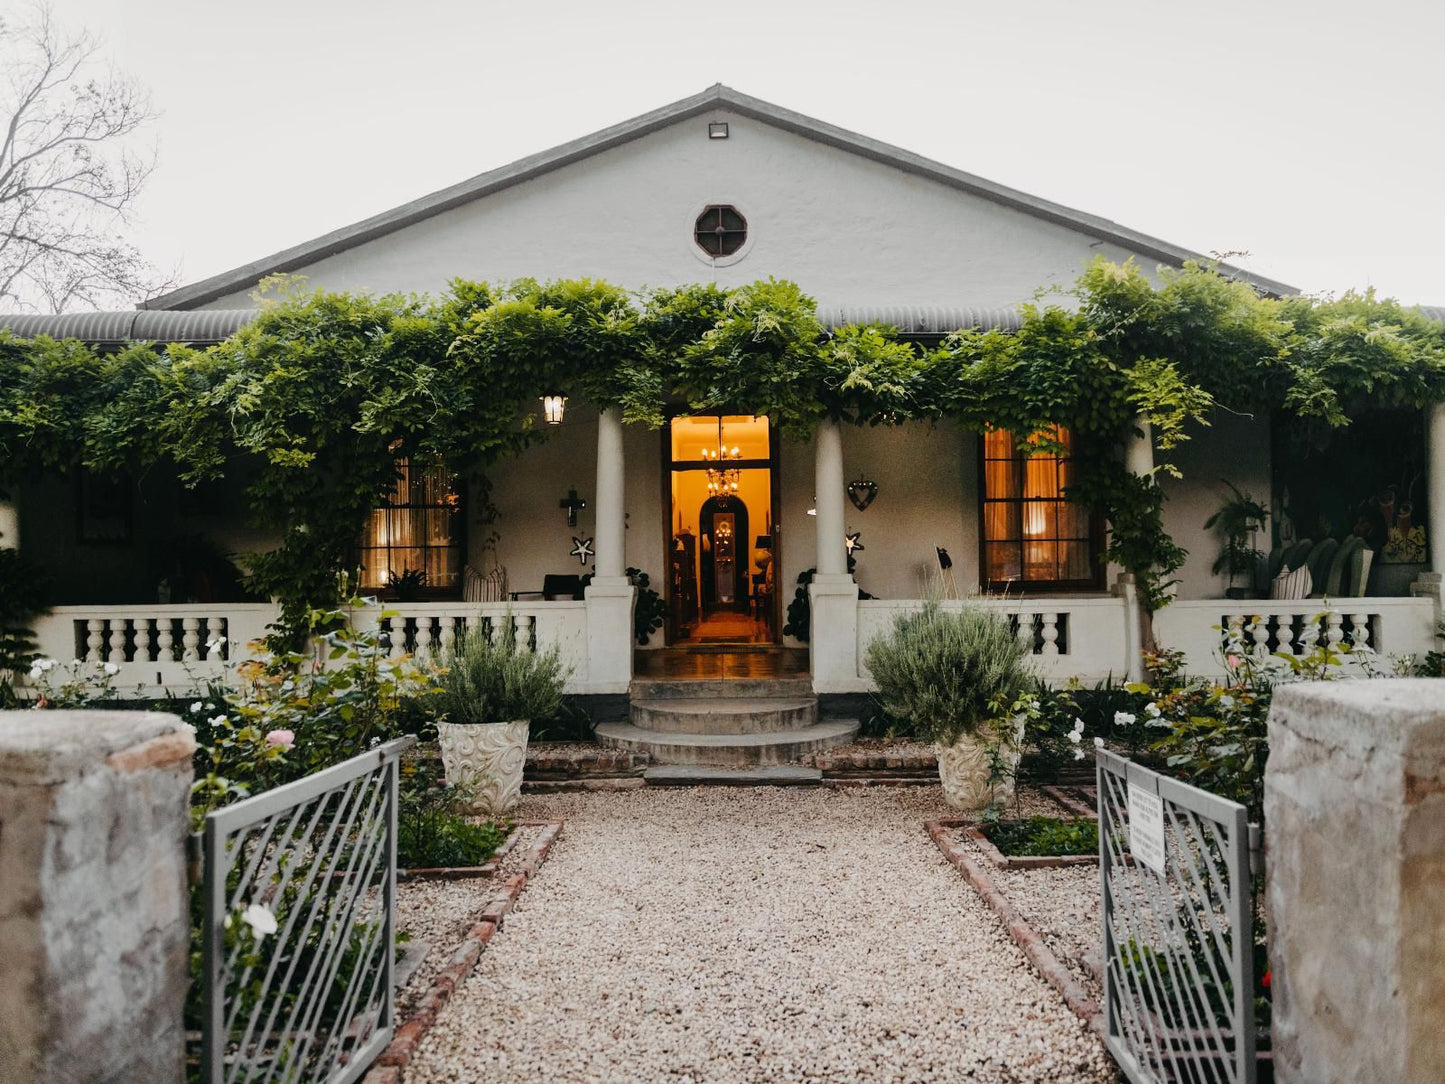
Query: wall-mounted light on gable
x: 717, y: 129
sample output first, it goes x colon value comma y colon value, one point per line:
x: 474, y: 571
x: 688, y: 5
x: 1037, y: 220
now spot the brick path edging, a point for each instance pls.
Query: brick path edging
x: 407, y: 1038
x: 1025, y: 936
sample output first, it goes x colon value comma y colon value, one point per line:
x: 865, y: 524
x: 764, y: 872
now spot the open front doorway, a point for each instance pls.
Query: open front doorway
x: 722, y: 541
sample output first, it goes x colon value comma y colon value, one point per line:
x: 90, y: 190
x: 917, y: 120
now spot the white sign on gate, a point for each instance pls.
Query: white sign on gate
x: 1146, y: 827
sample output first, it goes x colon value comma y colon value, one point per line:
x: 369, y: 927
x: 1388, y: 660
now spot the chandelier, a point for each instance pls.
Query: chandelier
x: 722, y: 481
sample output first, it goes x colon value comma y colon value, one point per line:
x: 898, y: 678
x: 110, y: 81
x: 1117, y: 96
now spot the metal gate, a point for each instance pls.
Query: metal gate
x: 299, y: 895
x: 1178, y: 924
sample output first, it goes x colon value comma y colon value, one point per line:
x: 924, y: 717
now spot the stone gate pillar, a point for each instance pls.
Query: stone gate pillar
x: 94, y: 914
x: 1354, y: 804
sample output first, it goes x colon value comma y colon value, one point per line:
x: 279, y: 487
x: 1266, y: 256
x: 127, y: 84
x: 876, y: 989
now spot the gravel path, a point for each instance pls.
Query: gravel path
x: 1063, y: 905
x: 753, y: 935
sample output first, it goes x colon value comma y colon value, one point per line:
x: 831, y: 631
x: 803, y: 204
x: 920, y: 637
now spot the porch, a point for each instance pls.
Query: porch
x: 1089, y: 636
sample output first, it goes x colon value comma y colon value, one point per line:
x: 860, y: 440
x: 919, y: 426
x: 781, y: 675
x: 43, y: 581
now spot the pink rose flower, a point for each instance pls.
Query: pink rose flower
x: 284, y: 738
x: 1233, y: 661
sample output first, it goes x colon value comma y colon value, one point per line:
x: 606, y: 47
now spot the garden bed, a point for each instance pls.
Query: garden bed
x: 1039, y: 842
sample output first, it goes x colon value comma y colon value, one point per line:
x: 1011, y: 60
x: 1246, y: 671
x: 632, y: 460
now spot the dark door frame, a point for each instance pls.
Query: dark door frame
x: 773, y: 465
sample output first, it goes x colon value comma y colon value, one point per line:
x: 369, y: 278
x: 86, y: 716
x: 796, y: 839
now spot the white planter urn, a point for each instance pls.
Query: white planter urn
x: 964, y: 769
x: 486, y: 759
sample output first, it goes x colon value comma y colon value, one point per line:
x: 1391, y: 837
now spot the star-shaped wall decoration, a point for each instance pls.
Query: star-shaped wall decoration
x: 582, y: 549
x: 852, y: 543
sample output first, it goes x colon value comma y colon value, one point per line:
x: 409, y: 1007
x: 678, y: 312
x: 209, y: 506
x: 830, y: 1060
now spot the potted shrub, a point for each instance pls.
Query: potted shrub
x: 489, y: 693
x: 1239, y: 520
x: 958, y: 679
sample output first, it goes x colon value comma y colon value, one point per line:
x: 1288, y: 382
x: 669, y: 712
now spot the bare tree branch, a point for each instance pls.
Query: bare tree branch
x: 72, y: 163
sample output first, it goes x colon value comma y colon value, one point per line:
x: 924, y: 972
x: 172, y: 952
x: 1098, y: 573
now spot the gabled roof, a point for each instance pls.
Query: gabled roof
x: 715, y: 97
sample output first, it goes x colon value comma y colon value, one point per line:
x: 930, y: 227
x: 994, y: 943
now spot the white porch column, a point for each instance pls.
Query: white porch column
x: 1139, y: 458
x: 828, y: 485
x: 1139, y: 455
x: 610, y: 595
x: 1430, y: 583
x: 833, y: 646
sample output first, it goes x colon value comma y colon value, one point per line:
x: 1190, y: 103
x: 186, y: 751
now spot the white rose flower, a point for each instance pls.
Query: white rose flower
x: 1075, y: 736
x: 1124, y: 718
x: 216, y: 720
x: 259, y: 917
x: 49, y: 664
x: 1098, y: 743
x: 196, y: 706
x: 1078, y: 754
x: 1153, y: 710
x: 35, y: 672
x: 112, y: 669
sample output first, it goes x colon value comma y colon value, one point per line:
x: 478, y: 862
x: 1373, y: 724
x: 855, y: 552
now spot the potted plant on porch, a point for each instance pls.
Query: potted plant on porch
x: 960, y: 679
x: 490, y: 691
x: 1239, y: 519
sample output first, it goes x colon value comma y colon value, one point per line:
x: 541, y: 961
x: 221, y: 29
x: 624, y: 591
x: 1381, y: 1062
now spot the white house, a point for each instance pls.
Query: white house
x: 725, y: 188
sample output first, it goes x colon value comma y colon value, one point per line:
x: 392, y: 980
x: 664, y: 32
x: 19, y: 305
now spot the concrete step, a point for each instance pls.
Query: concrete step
x: 725, y: 715
x: 732, y: 750
x: 777, y: 775
x: 719, y: 688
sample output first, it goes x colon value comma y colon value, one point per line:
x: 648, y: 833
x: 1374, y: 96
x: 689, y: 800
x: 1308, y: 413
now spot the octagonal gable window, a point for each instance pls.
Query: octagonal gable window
x: 721, y: 230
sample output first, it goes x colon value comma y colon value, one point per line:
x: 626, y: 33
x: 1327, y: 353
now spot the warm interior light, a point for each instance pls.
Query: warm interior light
x: 552, y: 408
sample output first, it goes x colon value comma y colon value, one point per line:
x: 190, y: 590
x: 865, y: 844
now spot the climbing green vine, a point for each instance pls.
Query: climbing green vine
x: 311, y: 403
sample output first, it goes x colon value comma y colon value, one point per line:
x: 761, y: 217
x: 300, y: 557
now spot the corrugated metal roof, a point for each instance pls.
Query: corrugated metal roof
x: 113, y: 328
x: 715, y: 97
x: 923, y: 320
x: 206, y: 326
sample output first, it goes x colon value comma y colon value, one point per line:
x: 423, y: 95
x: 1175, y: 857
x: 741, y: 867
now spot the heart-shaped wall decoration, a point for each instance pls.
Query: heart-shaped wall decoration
x: 861, y: 493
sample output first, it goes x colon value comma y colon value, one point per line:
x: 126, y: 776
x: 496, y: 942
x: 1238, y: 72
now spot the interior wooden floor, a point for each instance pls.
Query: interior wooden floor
x: 711, y: 662
x: 729, y: 627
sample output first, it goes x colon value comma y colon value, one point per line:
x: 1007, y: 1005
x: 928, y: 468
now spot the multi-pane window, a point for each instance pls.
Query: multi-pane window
x: 418, y: 529
x: 1032, y: 535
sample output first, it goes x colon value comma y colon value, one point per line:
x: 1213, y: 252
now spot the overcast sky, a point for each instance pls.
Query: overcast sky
x: 1306, y: 133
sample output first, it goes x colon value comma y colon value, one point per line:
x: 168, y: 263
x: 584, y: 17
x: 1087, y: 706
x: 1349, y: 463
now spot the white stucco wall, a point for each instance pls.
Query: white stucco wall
x: 1233, y: 448
x: 851, y: 231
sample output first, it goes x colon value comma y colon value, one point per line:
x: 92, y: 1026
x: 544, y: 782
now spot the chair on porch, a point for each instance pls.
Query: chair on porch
x: 554, y: 588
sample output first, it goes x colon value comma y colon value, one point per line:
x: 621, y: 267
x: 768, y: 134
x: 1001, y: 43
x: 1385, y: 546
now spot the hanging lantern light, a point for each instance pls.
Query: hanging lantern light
x: 552, y: 408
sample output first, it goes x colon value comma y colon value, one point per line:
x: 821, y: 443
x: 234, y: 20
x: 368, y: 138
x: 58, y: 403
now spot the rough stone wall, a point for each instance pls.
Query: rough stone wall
x: 1355, y: 814
x: 94, y: 929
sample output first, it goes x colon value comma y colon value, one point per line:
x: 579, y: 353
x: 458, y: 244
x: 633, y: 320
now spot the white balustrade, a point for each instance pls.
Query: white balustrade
x: 1086, y: 638
x: 1204, y: 629
x: 428, y: 629
x: 140, y: 641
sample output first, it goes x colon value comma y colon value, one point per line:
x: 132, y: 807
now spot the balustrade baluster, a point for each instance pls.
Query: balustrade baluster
x: 1049, y: 633
x: 190, y: 639
x: 1025, y: 630
x: 1360, y: 632
x: 448, y: 634
x: 1259, y: 634
x: 93, y: 641
x: 115, y: 640
x: 1334, y: 629
x: 396, y: 637
x: 165, y: 640
x: 425, y: 637
x: 522, y: 630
